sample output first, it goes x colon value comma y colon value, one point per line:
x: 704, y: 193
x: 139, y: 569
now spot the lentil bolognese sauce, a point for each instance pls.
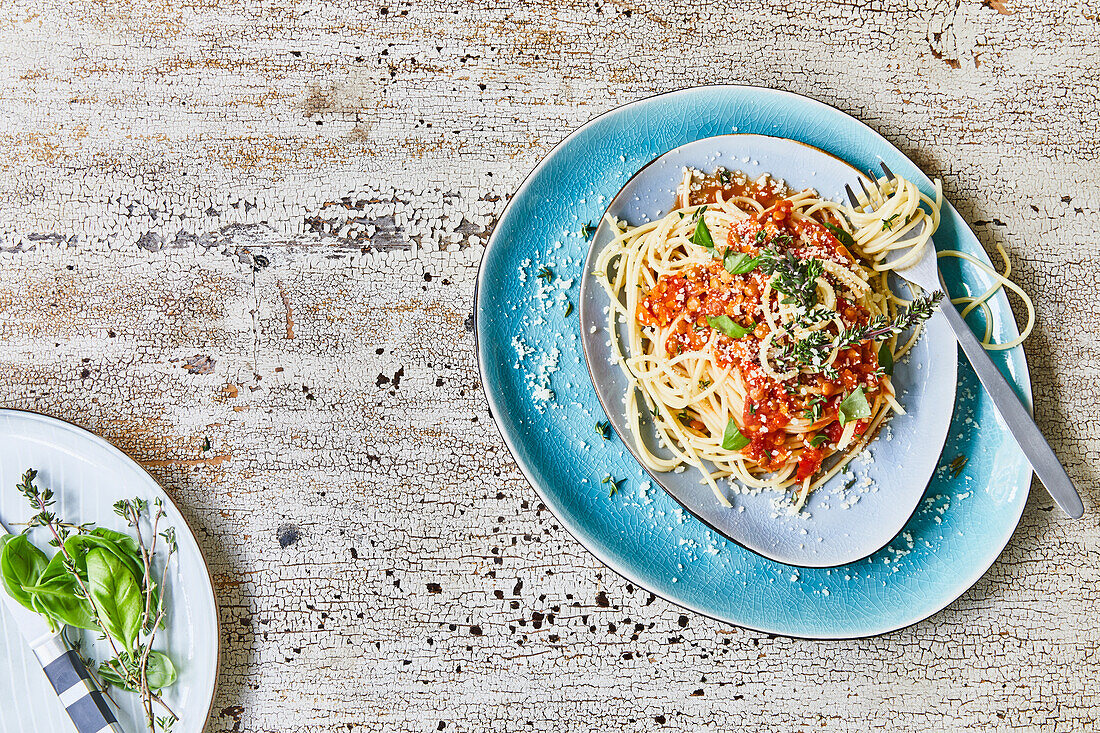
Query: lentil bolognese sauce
x: 759, y: 328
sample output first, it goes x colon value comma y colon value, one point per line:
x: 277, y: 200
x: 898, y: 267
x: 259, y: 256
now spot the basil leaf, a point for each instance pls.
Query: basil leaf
x: 818, y: 440
x: 854, y: 407
x: 160, y: 672
x: 733, y: 439
x: 728, y: 326
x: 739, y: 263
x: 702, y: 235
x: 841, y: 235
x: 116, y: 595
x: 886, y: 358
x: 124, y: 547
x: 58, y: 594
x: 21, y: 564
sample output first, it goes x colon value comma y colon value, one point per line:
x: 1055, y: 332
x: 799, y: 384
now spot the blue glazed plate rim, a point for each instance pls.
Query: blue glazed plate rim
x: 595, y: 545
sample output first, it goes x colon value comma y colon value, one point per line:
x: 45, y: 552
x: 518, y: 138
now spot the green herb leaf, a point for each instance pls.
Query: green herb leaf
x: 159, y: 672
x: 841, y: 235
x: 854, y: 407
x: 733, y: 439
x: 21, y: 564
x: 603, y: 429
x: 545, y: 273
x: 818, y: 440
x: 728, y: 326
x: 958, y: 465
x: 886, y: 358
x: 812, y: 350
x: 702, y: 235
x: 568, y: 309
x: 888, y: 222
x: 116, y: 596
x: 587, y: 231
x: 109, y: 674
x: 814, y: 408
x: 58, y: 594
x: 739, y: 263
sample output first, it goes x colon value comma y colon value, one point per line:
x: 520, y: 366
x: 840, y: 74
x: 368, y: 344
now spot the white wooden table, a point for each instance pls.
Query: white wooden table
x: 240, y: 240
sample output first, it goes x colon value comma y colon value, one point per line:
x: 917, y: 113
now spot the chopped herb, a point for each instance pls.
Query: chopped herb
x: 205, y: 444
x: 685, y: 417
x: 704, y: 383
x: 729, y: 327
x: 818, y: 440
x: 733, y: 439
x: 568, y: 308
x: 841, y: 235
x: 724, y: 176
x: 888, y: 222
x: 681, y: 215
x: 545, y: 273
x: 603, y: 429
x: 957, y: 465
x: 854, y: 407
x: 752, y: 408
x: 814, y: 408
x: 702, y: 235
x: 588, y: 230
x: 886, y: 358
x: 614, y: 485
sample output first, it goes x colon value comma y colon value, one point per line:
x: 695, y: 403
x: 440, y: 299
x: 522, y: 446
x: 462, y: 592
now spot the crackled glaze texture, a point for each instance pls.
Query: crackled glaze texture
x: 259, y: 224
x: 959, y: 526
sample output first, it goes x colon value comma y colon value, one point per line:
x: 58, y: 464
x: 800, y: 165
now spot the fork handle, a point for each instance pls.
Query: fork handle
x: 1043, y: 460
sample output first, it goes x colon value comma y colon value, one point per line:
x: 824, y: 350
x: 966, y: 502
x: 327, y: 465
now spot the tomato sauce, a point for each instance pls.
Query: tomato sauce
x: 686, y: 300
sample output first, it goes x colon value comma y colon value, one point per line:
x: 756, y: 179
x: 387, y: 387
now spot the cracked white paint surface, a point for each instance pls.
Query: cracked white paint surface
x: 259, y: 223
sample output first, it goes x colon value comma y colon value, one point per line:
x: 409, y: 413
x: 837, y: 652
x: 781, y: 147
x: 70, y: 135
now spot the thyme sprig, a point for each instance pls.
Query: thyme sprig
x: 796, y: 278
x: 815, y: 348
x: 791, y: 275
x: 103, y: 581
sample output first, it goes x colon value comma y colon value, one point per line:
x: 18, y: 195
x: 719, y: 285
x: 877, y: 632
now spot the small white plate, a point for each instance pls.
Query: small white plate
x: 88, y: 475
x: 850, y: 516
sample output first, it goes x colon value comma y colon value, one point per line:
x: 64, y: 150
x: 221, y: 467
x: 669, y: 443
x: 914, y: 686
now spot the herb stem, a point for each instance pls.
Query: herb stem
x: 70, y: 563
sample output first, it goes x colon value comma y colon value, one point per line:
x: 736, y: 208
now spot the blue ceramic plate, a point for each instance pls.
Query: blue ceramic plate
x: 540, y: 394
x: 88, y: 475
x: 853, y: 514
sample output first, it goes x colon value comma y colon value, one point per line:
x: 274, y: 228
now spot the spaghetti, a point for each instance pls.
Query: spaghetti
x: 759, y: 326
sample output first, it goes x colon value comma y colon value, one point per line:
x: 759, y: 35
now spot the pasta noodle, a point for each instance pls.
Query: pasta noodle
x: 759, y: 328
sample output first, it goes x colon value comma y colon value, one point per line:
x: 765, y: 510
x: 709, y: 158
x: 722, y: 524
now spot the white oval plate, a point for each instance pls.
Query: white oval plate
x: 851, y: 516
x: 88, y: 475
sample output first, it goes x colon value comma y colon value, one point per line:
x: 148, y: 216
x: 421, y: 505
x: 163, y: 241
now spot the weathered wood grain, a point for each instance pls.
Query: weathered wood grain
x: 250, y: 223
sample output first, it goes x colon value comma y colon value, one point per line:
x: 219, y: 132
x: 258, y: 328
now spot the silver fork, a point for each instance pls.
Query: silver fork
x: 925, y: 275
